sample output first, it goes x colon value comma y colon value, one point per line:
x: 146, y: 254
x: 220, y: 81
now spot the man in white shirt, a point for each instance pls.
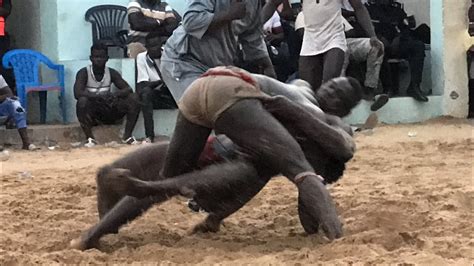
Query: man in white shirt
x: 150, y: 87
x: 324, y: 43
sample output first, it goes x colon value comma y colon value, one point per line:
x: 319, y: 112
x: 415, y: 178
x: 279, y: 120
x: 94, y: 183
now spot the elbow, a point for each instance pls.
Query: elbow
x: 347, y: 152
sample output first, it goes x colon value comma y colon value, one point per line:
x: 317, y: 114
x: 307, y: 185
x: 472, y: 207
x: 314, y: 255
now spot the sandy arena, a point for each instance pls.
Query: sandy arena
x: 404, y: 199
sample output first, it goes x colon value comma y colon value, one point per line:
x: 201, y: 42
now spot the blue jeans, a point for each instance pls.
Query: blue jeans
x: 13, y: 109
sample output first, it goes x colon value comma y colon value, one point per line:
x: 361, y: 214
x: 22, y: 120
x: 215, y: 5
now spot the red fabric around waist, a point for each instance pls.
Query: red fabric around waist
x: 224, y: 71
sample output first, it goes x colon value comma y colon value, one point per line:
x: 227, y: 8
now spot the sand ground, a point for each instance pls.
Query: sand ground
x: 404, y: 200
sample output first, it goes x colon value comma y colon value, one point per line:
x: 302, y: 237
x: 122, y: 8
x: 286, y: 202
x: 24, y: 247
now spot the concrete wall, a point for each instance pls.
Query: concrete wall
x: 419, y: 8
x: 450, y: 42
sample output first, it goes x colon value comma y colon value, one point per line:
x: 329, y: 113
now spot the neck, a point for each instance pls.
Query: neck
x: 98, y: 70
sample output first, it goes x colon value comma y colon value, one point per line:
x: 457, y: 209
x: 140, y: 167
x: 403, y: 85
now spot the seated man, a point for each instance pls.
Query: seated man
x: 244, y: 177
x: 392, y: 25
x: 11, y: 108
x: 96, y: 103
x: 361, y: 49
x: 150, y: 87
x: 146, y: 16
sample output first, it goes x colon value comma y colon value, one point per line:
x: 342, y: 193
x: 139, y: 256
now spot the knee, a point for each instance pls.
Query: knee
x: 82, y: 103
x: 101, y: 177
x: 19, y: 114
x: 146, y: 93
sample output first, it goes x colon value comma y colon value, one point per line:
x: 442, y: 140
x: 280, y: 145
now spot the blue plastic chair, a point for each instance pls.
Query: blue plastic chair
x: 26, y: 67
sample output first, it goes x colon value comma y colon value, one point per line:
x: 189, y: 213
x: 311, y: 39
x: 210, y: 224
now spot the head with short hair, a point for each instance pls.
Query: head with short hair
x: 99, y: 55
x: 153, y: 44
x: 339, y: 95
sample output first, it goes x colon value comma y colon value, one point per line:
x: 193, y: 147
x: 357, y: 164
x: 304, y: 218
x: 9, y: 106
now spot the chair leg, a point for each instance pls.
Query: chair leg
x: 63, y: 106
x: 43, y: 98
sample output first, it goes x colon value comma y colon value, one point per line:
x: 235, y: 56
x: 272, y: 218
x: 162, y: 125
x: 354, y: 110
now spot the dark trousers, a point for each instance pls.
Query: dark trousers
x: 151, y: 99
x: 95, y: 111
x: 318, y: 69
x: 414, y: 51
x: 410, y: 49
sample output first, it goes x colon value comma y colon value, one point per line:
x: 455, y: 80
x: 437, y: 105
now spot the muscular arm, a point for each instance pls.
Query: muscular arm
x: 269, y: 8
x: 138, y: 21
x: 333, y: 139
x: 287, y: 12
x: 5, y: 92
x: 80, y: 85
x: 363, y: 17
x: 123, y: 88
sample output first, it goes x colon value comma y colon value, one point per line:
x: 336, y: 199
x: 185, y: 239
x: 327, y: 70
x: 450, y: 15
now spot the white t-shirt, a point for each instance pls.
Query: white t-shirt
x: 273, y: 22
x: 324, y: 28
x: 145, y: 69
x: 299, y: 22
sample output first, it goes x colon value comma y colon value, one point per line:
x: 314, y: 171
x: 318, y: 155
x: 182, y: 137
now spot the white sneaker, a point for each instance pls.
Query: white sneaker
x: 130, y: 141
x: 90, y: 143
x: 147, y: 141
x: 32, y: 147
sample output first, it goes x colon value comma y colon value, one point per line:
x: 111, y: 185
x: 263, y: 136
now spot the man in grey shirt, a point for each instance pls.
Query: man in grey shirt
x: 209, y: 36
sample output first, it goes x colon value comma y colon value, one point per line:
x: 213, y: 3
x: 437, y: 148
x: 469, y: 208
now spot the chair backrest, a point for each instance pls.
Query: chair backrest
x: 106, y: 21
x: 25, y: 64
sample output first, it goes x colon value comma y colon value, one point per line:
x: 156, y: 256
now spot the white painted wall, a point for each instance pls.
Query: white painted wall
x: 420, y: 9
x: 456, y: 41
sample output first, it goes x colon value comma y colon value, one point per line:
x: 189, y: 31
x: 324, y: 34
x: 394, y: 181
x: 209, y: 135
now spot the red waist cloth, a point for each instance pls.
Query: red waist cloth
x: 233, y: 72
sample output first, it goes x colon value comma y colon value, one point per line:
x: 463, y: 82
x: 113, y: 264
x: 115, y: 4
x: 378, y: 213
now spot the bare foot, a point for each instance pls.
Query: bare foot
x: 80, y: 243
x: 210, y: 225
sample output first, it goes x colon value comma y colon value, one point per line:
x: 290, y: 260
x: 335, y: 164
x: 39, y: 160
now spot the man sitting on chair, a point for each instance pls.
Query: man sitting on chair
x: 11, y: 108
x: 96, y: 103
x: 150, y: 87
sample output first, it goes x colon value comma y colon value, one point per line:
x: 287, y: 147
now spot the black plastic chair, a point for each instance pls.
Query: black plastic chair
x: 108, y: 25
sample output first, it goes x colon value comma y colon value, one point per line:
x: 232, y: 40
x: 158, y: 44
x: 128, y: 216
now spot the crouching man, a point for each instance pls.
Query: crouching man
x: 11, y: 108
x: 96, y: 103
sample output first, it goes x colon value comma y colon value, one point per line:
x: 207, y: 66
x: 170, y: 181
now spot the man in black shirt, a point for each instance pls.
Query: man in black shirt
x: 392, y: 27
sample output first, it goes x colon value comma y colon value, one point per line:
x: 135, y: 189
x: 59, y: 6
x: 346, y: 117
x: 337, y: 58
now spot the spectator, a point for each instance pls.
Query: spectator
x: 145, y: 16
x: 96, y: 103
x: 276, y: 46
x: 362, y: 50
x: 391, y: 25
x: 324, y: 43
x: 5, y: 10
x: 150, y: 87
x: 11, y: 108
x: 209, y: 37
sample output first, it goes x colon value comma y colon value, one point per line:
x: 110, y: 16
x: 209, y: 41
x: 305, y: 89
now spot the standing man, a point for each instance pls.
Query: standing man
x: 145, y: 16
x: 209, y: 36
x: 324, y: 43
x: 10, y: 107
x: 150, y: 87
x: 96, y: 103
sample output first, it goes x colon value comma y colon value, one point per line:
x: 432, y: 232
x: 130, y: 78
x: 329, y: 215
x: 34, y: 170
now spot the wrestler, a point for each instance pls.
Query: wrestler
x: 230, y: 100
x: 241, y: 182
